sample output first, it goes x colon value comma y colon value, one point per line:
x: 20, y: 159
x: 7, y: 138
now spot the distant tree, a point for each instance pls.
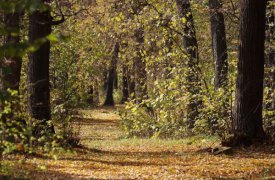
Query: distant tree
x: 248, y: 121
x: 191, y: 46
x: 109, y: 101
x: 219, y: 46
x: 125, y: 84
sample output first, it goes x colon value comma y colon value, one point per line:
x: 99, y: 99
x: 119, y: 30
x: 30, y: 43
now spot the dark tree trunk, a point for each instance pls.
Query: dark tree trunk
x: 140, y: 67
x: 38, y: 67
x: 116, y: 80
x: 12, y: 65
x: 247, y: 121
x: 125, y: 89
x: 110, y: 86
x: 191, y: 46
x: 105, y: 79
x: 218, y: 43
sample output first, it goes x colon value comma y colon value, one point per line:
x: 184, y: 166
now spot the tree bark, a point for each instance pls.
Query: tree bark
x: 38, y: 67
x: 140, y: 67
x: 218, y: 43
x: 247, y: 121
x: 191, y: 46
x: 12, y: 65
x: 125, y: 89
x: 110, y: 86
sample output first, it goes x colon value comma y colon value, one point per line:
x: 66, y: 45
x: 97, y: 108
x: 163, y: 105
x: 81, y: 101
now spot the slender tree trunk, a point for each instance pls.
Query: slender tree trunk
x: 116, y: 80
x: 140, y: 67
x: 38, y: 67
x: 247, y: 121
x: 105, y: 79
x: 125, y: 90
x: 191, y: 46
x: 218, y: 43
x: 12, y: 65
x: 110, y: 87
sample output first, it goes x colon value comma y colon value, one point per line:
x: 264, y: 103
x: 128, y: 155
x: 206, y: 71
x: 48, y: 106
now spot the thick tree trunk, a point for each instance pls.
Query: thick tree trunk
x: 38, y: 67
x: 12, y: 65
x: 247, y: 121
x: 110, y: 86
x: 140, y: 67
x: 218, y: 43
x: 125, y: 88
x: 191, y: 46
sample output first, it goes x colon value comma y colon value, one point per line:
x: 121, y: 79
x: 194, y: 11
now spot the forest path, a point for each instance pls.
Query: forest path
x: 110, y: 156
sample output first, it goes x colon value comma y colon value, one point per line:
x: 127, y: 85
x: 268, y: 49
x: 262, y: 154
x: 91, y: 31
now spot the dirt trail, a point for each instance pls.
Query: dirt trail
x: 109, y: 156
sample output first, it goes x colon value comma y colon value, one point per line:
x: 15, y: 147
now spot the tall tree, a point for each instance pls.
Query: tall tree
x: 38, y: 67
x: 140, y: 67
x: 248, y: 121
x: 218, y: 43
x: 191, y: 46
x: 109, y: 101
x: 12, y: 64
x: 125, y: 87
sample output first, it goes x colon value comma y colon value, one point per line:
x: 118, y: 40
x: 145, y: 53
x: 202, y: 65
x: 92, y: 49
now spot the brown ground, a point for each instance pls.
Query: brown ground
x: 109, y: 156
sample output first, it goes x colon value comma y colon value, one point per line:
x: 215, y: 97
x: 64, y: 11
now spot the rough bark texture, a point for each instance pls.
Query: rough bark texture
x: 218, y: 43
x: 247, y: 121
x: 125, y: 88
x: 12, y: 65
x: 110, y: 86
x: 191, y: 46
x: 140, y: 67
x: 38, y: 67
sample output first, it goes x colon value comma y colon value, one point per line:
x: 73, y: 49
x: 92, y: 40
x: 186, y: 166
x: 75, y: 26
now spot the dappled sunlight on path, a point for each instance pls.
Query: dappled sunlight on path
x: 110, y: 156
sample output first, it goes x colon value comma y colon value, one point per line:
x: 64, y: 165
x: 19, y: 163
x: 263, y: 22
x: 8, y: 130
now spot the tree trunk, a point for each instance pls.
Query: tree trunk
x: 38, y: 67
x: 218, y: 43
x: 110, y: 87
x: 125, y: 89
x: 191, y: 46
x: 247, y: 121
x: 116, y: 80
x: 140, y: 67
x: 12, y: 65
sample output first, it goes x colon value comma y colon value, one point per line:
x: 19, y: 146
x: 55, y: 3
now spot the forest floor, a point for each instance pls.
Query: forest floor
x: 107, y: 155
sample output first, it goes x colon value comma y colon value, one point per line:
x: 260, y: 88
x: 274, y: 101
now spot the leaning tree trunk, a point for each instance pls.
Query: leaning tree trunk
x: 110, y: 84
x: 38, y: 67
x: 218, y: 43
x: 140, y: 67
x: 247, y: 121
x: 191, y: 46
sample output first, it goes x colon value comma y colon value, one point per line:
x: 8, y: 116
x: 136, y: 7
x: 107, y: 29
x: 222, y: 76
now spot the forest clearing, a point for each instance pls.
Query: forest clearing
x: 137, y: 89
x: 107, y: 155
